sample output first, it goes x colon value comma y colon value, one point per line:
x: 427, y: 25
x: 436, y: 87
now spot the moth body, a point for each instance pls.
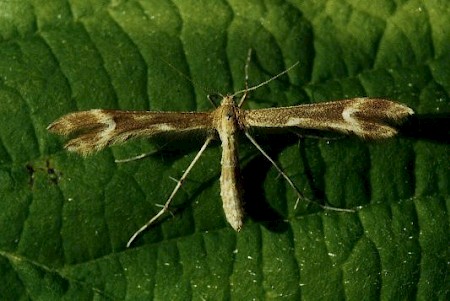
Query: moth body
x: 369, y: 118
x: 226, y: 122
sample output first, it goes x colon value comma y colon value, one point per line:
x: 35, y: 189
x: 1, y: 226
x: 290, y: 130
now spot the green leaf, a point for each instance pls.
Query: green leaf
x: 65, y: 220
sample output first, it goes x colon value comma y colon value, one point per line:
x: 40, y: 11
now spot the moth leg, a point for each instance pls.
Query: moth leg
x: 333, y: 138
x: 165, y: 208
x: 300, y: 196
x: 141, y: 156
x: 135, y: 158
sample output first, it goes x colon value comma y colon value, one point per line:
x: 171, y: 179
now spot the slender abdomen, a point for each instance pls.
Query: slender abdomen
x: 230, y: 188
x: 226, y: 124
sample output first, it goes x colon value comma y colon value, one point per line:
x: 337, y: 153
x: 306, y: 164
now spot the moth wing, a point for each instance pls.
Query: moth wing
x: 95, y: 129
x: 370, y: 118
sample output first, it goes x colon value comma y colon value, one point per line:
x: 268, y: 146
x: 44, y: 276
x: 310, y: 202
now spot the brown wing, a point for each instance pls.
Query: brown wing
x: 96, y: 129
x: 365, y: 117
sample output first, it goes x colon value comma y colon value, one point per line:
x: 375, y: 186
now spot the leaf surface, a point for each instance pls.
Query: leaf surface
x: 65, y: 220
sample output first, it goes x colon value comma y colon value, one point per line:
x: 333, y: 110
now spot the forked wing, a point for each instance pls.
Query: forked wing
x: 95, y: 129
x: 370, y: 118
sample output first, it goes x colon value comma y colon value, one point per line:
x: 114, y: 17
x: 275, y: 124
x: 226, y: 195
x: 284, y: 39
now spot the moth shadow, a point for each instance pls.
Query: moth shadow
x: 432, y: 127
x: 256, y: 205
x: 181, y: 143
x: 254, y: 174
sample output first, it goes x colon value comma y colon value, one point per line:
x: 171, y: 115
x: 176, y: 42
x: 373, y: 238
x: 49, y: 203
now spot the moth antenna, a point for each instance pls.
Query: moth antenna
x: 247, y: 63
x: 205, y: 89
x: 209, y: 96
x: 266, y: 81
